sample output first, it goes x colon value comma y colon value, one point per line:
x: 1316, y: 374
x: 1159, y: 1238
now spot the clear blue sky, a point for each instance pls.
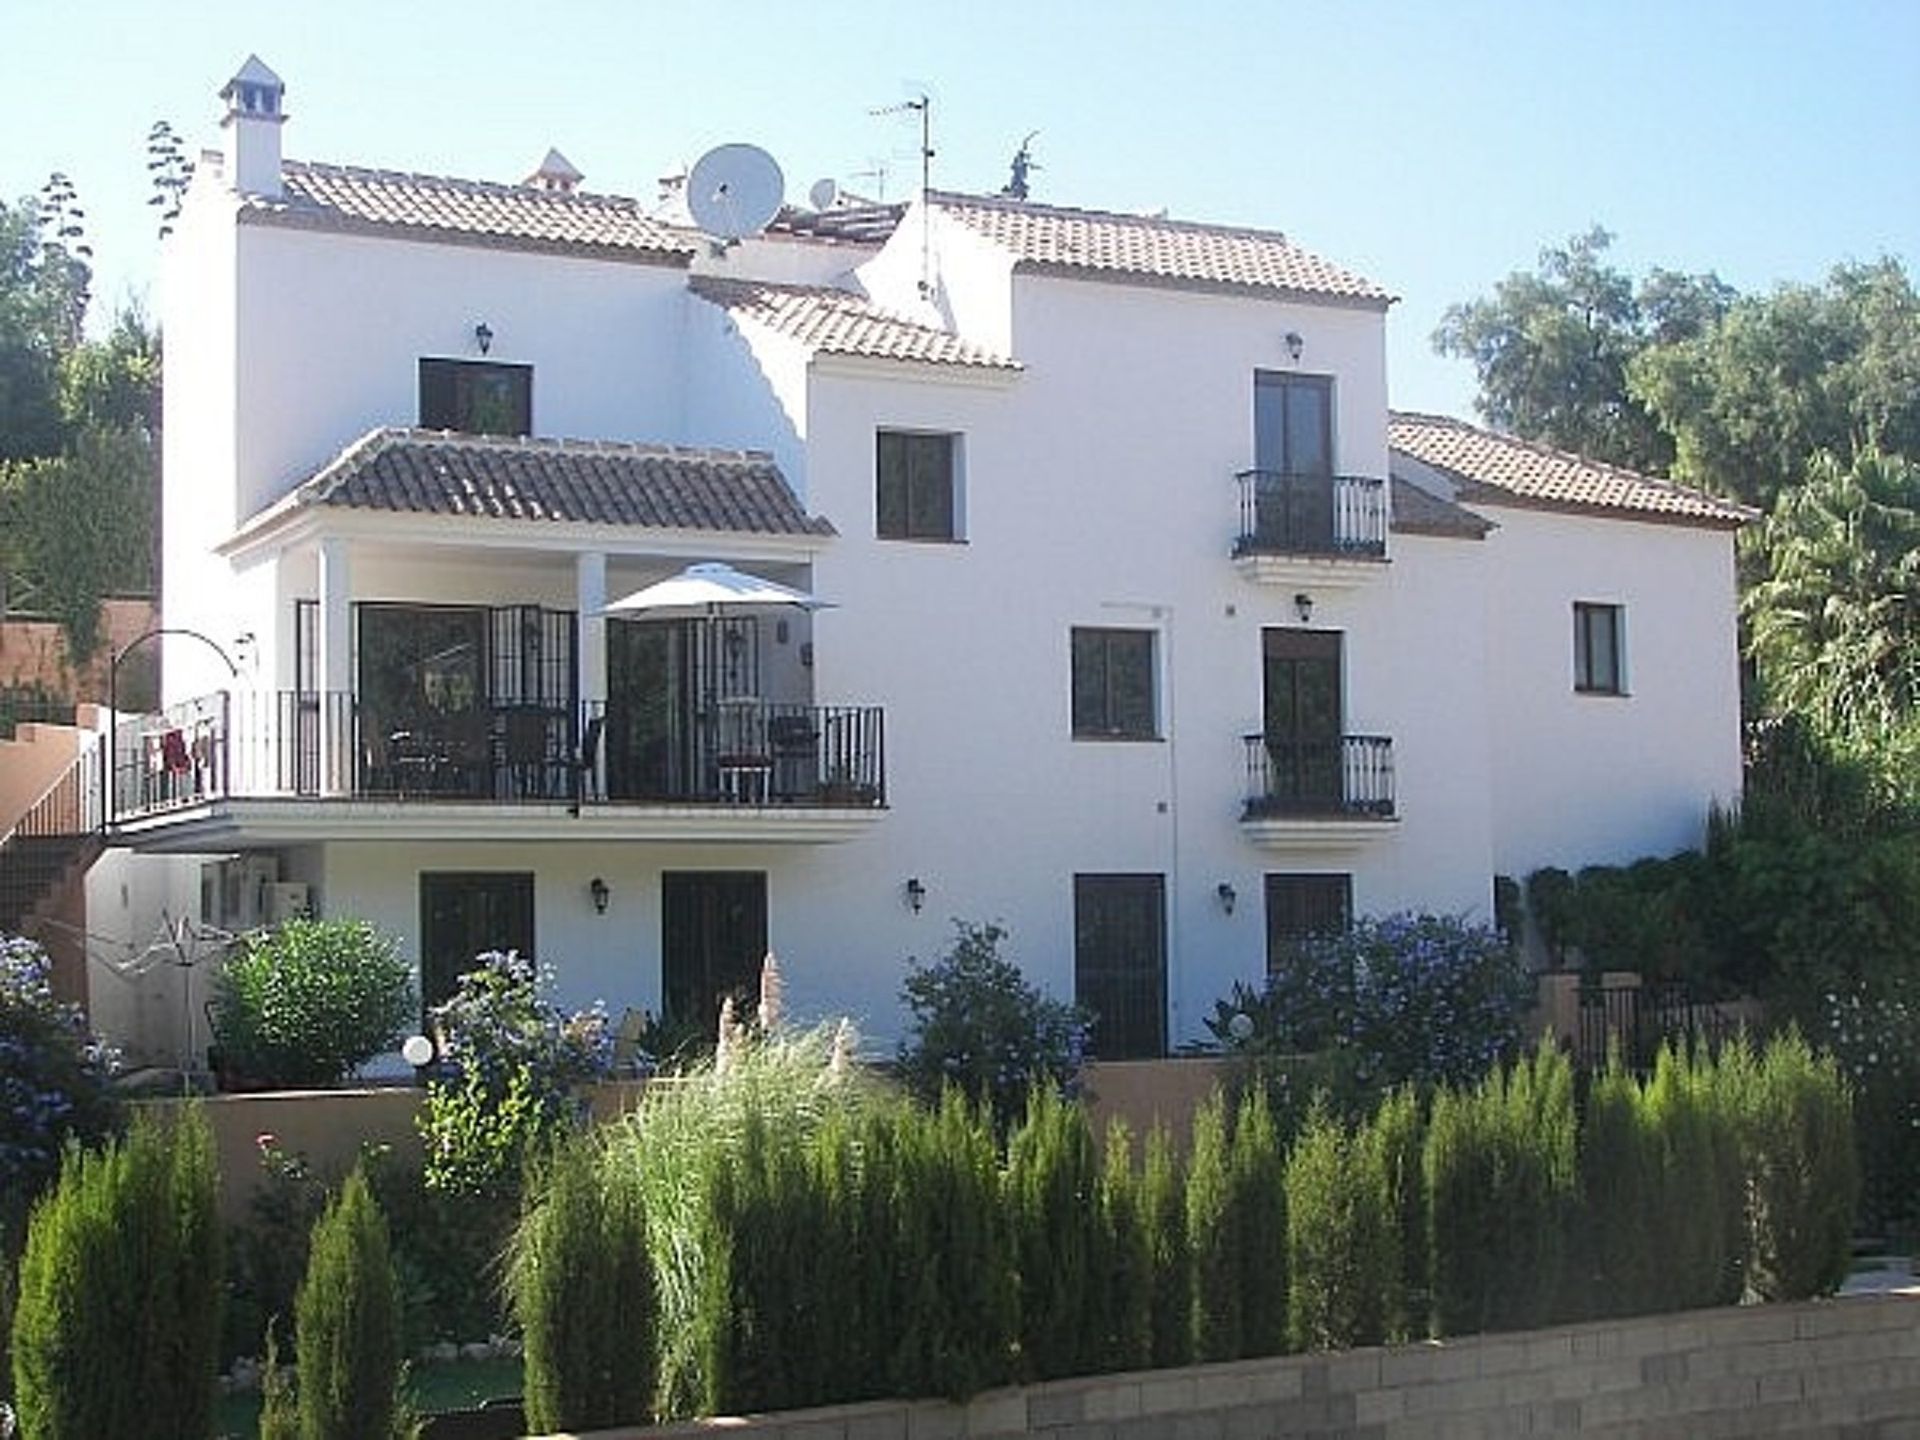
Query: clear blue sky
x: 1432, y: 146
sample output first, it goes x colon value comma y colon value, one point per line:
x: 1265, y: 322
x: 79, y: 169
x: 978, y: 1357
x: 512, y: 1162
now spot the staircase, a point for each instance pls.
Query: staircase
x: 55, y: 841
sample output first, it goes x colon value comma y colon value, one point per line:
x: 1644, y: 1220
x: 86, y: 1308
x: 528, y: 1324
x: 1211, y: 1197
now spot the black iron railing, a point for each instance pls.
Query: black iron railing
x: 1326, y: 515
x: 1339, y: 776
x: 295, y: 744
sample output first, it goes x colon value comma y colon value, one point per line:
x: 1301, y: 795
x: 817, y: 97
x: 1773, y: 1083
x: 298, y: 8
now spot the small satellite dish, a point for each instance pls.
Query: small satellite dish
x: 823, y: 194
x: 734, y: 191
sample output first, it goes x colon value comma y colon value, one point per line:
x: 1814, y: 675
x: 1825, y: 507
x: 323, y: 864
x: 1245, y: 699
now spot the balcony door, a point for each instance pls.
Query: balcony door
x: 1302, y: 717
x: 713, y: 936
x: 1293, y: 453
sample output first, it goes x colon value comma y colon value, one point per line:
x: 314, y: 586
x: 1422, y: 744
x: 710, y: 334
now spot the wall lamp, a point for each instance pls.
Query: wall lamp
x: 1294, y: 344
x: 483, y: 337
x: 1303, y: 606
x: 916, y: 894
x: 602, y: 896
x: 1229, y: 897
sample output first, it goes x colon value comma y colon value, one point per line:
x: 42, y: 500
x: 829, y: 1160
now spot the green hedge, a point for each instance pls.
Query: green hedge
x: 820, y: 1240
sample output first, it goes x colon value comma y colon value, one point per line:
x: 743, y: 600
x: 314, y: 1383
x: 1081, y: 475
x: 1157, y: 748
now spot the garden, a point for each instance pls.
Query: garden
x: 779, y: 1225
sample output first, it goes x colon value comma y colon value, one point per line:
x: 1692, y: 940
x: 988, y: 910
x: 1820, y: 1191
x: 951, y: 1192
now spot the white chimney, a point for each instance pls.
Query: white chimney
x: 252, y: 123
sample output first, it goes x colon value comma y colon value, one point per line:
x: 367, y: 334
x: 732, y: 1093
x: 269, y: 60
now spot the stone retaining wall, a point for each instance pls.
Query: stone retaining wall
x: 1847, y: 1369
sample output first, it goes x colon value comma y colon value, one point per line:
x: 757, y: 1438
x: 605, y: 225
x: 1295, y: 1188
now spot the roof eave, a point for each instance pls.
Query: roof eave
x: 302, y: 218
x: 1055, y: 269
x: 840, y: 364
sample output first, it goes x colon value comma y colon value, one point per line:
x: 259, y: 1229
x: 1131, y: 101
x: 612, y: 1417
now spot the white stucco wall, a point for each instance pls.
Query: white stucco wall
x: 1098, y: 490
x: 1584, y: 779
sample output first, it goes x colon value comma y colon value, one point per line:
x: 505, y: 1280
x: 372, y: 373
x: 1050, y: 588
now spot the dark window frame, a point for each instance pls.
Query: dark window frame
x: 1599, y: 668
x: 448, y: 398
x: 1101, y: 711
x: 515, y: 894
x: 916, y: 462
x: 1297, y: 902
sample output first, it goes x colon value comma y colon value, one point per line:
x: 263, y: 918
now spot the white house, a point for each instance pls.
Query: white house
x: 1149, y: 631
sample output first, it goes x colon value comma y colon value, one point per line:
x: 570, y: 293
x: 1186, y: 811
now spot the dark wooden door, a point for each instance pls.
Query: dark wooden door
x: 467, y: 913
x: 713, y: 938
x: 1120, y: 962
x: 1303, y: 717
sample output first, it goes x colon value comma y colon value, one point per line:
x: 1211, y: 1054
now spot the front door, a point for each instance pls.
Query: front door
x: 1120, y: 963
x: 1302, y: 721
x: 713, y: 938
x: 467, y: 913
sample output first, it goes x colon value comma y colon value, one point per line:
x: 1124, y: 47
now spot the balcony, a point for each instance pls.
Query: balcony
x: 1332, y: 793
x: 272, y: 768
x: 1325, y: 530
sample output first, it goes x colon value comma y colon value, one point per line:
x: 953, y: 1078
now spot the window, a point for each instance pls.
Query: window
x: 1303, y: 905
x: 1120, y: 963
x: 1113, y: 685
x: 1598, y: 665
x: 476, y: 397
x: 915, y: 492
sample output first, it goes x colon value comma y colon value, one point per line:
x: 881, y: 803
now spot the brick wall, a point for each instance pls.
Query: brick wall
x: 1848, y: 1369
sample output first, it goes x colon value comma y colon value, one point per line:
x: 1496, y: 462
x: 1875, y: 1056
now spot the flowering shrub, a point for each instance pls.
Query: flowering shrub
x: 309, y: 1001
x: 1423, y: 998
x: 976, y: 1023
x: 53, y: 1078
x: 516, y: 1058
x: 1871, y: 1027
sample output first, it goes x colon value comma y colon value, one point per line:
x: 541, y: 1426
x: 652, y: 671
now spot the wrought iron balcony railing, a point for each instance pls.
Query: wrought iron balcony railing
x: 1339, y: 777
x: 1312, y: 515
x: 290, y: 744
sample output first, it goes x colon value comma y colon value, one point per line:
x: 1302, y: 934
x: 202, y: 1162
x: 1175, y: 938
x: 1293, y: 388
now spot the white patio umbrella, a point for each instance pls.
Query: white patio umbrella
x: 708, y: 589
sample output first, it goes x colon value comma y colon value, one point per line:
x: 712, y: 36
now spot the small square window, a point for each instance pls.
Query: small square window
x: 1113, y: 685
x: 476, y: 397
x: 1599, y: 666
x: 916, y: 496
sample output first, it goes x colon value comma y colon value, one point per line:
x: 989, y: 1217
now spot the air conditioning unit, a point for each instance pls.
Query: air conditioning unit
x: 233, y: 892
x: 285, y: 900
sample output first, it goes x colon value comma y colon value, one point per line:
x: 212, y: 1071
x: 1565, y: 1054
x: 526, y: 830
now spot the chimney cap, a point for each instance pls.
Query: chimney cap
x: 254, y: 72
x: 556, y: 172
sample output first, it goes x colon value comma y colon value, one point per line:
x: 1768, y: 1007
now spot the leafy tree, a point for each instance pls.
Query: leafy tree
x: 1750, y: 400
x: 1834, y: 622
x: 1552, y: 347
x: 39, y: 290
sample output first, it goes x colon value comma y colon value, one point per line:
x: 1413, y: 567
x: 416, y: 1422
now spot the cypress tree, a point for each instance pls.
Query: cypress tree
x: 1053, y: 1198
x: 1258, y: 1183
x: 118, y: 1315
x: 347, y: 1323
x: 1213, y: 1237
x: 1163, y: 1215
x: 1129, y: 1277
x: 583, y: 1293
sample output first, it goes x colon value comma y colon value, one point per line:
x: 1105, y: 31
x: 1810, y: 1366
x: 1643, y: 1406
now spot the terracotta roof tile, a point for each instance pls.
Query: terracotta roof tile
x: 343, y: 197
x: 1156, y: 250
x: 838, y: 322
x: 1503, y: 470
x: 592, y: 482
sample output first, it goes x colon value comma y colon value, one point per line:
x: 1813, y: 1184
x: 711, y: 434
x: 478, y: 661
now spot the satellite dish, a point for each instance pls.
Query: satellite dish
x: 734, y: 191
x: 823, y: 194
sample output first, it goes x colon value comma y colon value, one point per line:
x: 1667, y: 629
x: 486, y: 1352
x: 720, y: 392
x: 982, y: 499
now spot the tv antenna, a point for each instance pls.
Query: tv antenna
x: 734, y: 191
x: 922, y: 104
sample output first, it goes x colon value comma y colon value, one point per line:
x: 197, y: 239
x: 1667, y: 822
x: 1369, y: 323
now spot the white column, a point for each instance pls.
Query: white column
x: 590, y: 592
x: 336, y: 668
